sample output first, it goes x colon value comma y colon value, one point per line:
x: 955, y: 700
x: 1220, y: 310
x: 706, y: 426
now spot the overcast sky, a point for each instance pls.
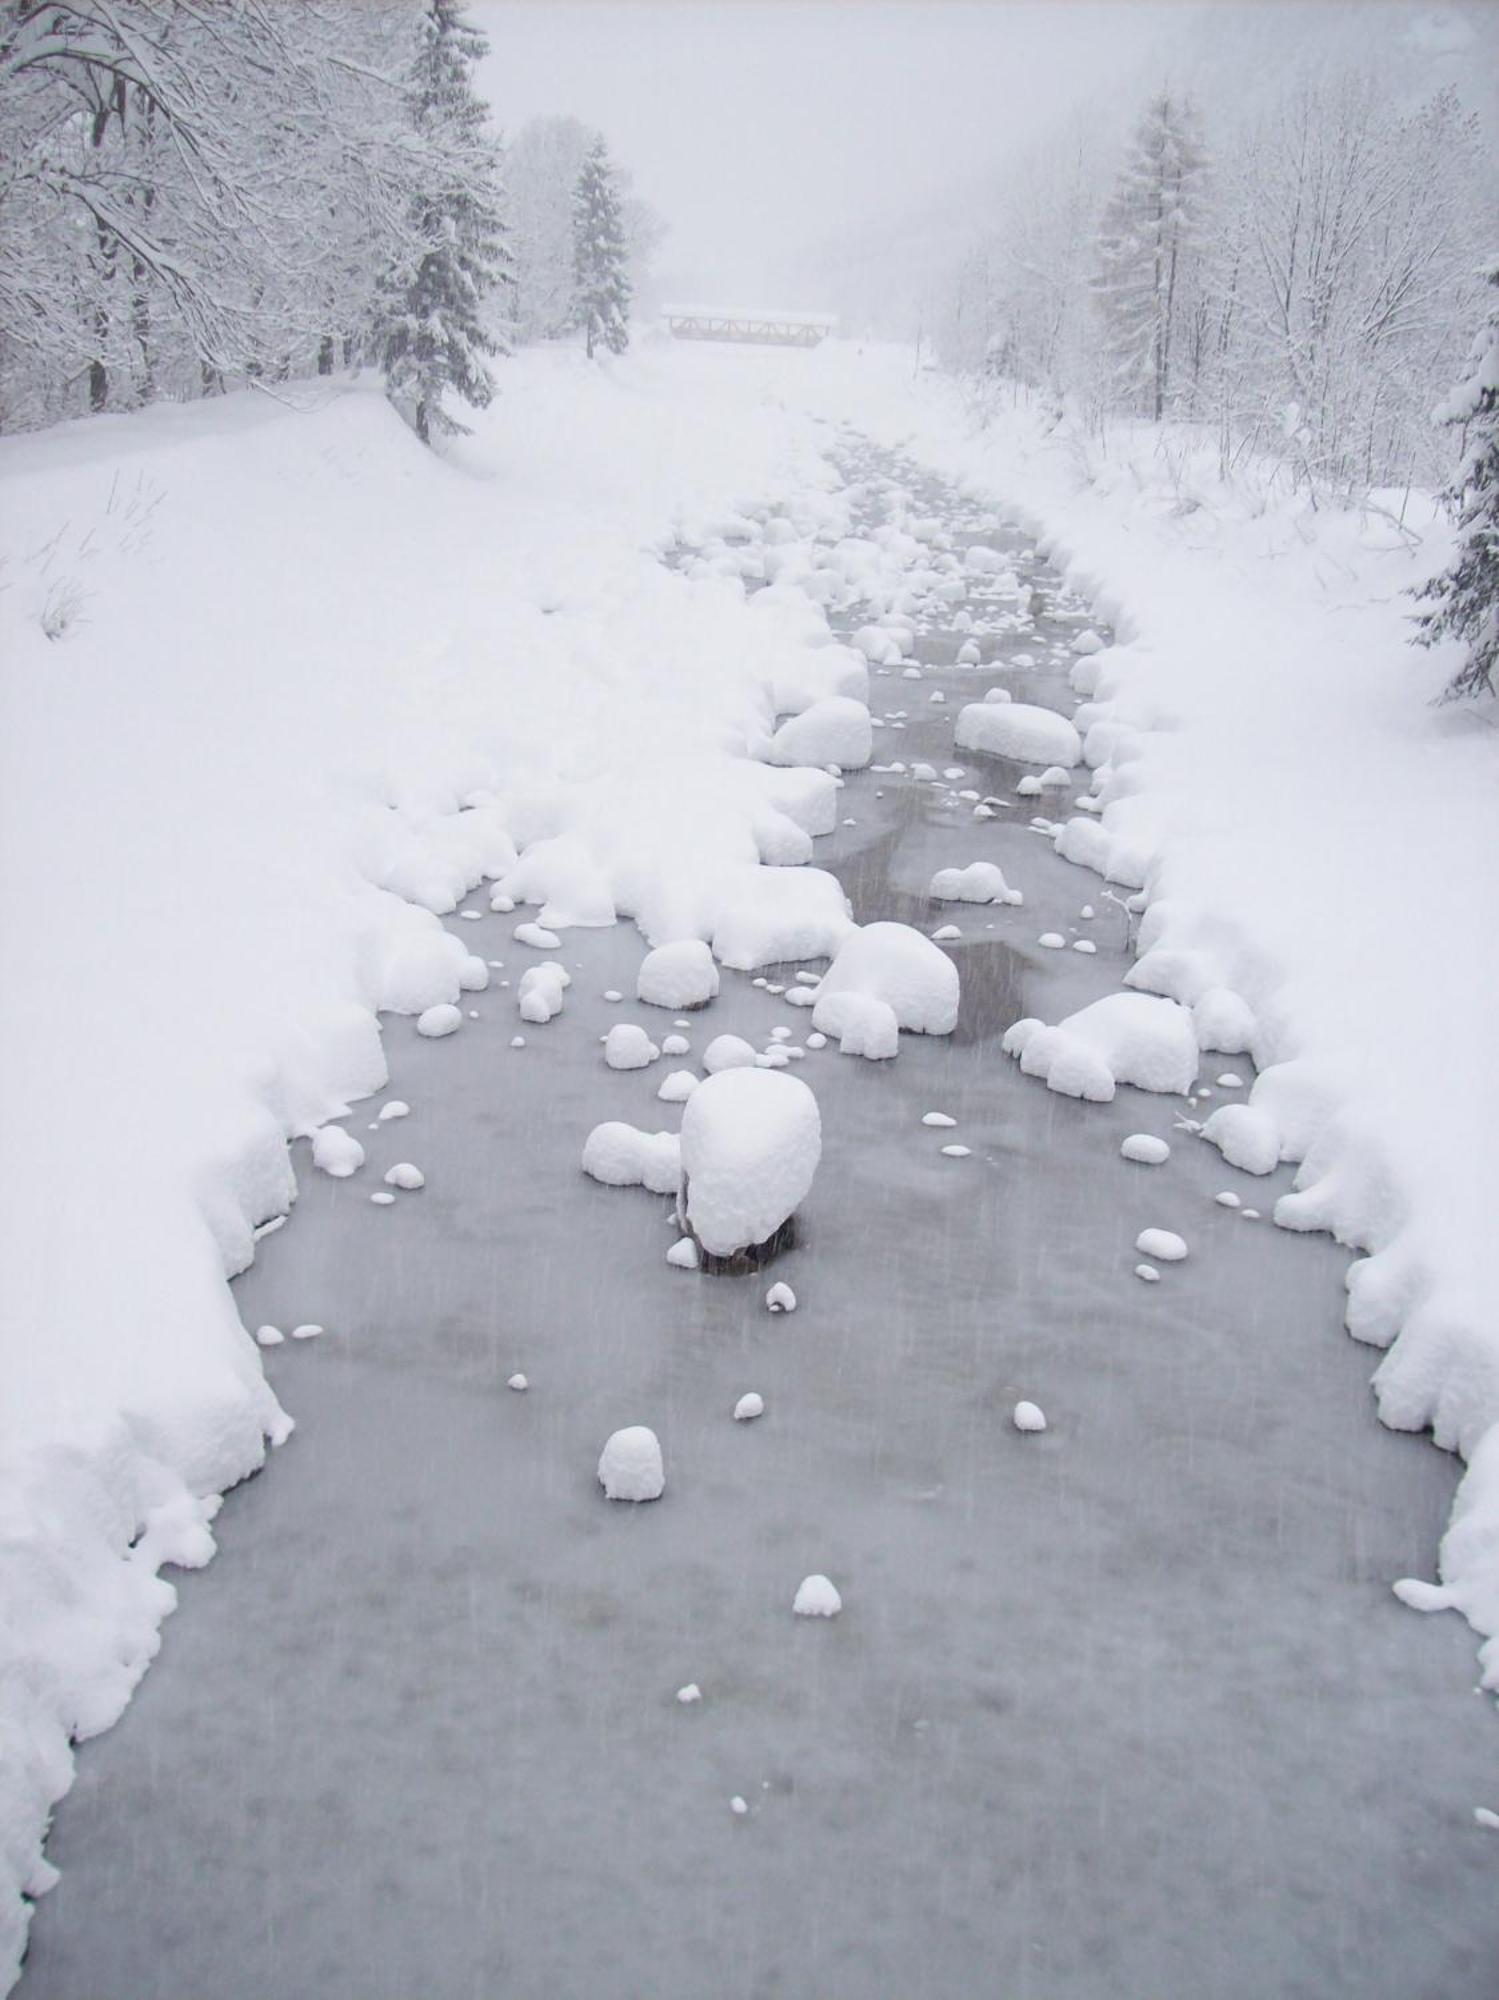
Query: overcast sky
x: 757, y: 126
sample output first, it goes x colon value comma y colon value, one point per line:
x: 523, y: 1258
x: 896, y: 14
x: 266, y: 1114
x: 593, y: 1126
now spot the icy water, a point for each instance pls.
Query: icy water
x: 1125, y: 1709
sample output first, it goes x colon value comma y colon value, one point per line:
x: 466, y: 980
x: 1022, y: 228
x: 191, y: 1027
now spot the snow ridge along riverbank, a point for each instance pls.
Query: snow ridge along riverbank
x: 279, y: 686
x: 1317, y: 839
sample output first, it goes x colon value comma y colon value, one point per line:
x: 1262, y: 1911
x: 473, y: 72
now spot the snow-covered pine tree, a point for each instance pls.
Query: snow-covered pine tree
x: 601, y: 275
x: 1465, y: 597
x: 1145, y: 240
x: 431, y: 330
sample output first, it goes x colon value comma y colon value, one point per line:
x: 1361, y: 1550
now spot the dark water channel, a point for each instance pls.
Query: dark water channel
x: 1125, y: 1709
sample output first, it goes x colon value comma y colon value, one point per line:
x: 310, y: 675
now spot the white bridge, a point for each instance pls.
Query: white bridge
x: 764, y: 325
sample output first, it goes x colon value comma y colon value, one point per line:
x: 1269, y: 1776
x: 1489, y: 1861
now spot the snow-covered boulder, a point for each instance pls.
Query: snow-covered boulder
x: 1018, y: 730
x: 630, y: 1467
x: 806, y: 796
x: 896, y: 964
x: 1123, y: 1038
x: 751, y: 1140
x: 1247, y: 1137
x: 678, y: 1087
x: 1145, y: 1149
x: 621, y: 1155
x: 539, y: 995
x: 860, y: 1024
x: 627, y: 1046
x: 880, y: 648
x: 677, y: 976
x: 816, y: 1597
x: 768, y: 915
x: 728, y: 1052
x: 979, y: 882
x: 337, y: 1152
x: 834, y: 731
x: 435, y: 1022
x: 1164, y: 1245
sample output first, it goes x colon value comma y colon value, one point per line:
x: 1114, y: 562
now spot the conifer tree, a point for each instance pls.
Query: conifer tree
x: 1144, y: 243
x: 601, y: 277
x: 432, y: 333
x: 1465, y: 597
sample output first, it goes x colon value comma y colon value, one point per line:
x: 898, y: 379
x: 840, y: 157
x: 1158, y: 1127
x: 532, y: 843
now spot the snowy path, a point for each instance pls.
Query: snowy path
x: 1123, y: 1709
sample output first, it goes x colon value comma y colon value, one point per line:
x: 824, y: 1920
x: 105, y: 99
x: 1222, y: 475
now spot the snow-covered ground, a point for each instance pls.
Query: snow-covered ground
x: 314, y: 685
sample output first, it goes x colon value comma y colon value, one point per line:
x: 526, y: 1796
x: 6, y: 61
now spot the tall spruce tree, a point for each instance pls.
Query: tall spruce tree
x: 601, y: 274
x: 1146, y: 237
x: 1465, y: 597
x: 432, y: 334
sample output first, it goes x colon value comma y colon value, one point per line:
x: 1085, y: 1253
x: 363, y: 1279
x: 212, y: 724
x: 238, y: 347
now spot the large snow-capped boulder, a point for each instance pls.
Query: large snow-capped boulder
x: 1123, y: 1038
x: 621, y: 1155
x: 896, y: 964
x: 677, y: 975
x: 834, y: 731
x: 751, y: 1140
x: 1020, y: 731
x: 979, y: 882
x: 767, y: 915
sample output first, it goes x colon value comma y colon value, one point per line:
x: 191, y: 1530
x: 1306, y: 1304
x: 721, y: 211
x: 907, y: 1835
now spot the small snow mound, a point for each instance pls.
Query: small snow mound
x: 684, y: 1255
x: 308, y: 1331
x: 382, y: 1197
x: 1149, y: 1273
x: 1053, y: 940
x: 939, y: 1118
x: 535, y: 934
x: 998, y: 694
x: 1247, y: 1137
x: 269, y: 1336
x: 816, y: 1597
x: 958, y: 1152
x: 749, y: 1407
x: 1018, y: 730
x: 1421, y: 1596
x: 689, y: 1694
x: 1145, y: 1149
x: 621, y: 1155
x: 728, y: 1052
x: 404, y: 1175
x: 677, y: 975
x: 630, y: 1465
x: 337, y: 1152
x: 443, y: 1019
x: 539, y: 995
x: 676, y: 1045
x: 861, y: 1025
x: 678, y: 1087
x: 750, y: 1144
x: 627, y: 1046
x: 1162, y: 1244
x: 394, y: 1109
x: 781, y: 1299
x: 979, y: 882
x: 1028, y: 1417
x: 519, y: 1383
x: 947, y: 934
x: 1086, y: 643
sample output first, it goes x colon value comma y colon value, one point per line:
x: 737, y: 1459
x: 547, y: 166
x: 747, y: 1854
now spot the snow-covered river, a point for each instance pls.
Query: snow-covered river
x: 1123, y: 1708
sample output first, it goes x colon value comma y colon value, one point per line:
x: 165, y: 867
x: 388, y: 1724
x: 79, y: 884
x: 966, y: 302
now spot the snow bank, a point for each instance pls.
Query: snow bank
x: 765, y: 916
x: 894, y: 964
x: 751, y: 1141
x: 834, y: 731
x: 1123, y: 1038
x: 1015, y: 729
x: 979, y: 882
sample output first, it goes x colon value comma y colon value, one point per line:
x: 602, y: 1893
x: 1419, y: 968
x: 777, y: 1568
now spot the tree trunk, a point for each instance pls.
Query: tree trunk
x: 325, y: 355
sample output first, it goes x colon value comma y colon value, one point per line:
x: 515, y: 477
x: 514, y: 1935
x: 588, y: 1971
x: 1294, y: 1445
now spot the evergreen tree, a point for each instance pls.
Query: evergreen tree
x: 1466, y: 594
x: 601, y: 277
x: 432, y: 333
x: 1145, y: 242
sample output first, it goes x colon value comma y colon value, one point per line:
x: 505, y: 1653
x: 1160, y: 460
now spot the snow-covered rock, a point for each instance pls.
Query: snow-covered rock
x: 630, y: 1465
x: 834, y: 731
x: 898, y: 965
x: 979, y: 882
x: 537, y: 936
x: 751, y: 1140
x: 337, y: 1152
x: 621, y: 1155
x: 1247, y: 1137
x: 749, y: 1407
x: 539, y: 995
x: 404, y: 1175
x: 860, y: 1024
x: 1145, y: 1149
x: 1133, y: 1038
x: 1164, y: 1245
x: 684, y: 1255
x: 627, y: 1046
x: 780, y: 1299
x: 677, y: 1087
x: 816, y: 1597
x: 766, y: 916
x: 435, y: 1022
x: 677, y: 975
x: 1028, y: 1417
x: 728, y: 1052
x: 675, y: 1045
x: 1019, y: 731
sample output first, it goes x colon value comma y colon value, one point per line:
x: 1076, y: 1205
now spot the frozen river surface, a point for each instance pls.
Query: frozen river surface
x: 1123, y: 1710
